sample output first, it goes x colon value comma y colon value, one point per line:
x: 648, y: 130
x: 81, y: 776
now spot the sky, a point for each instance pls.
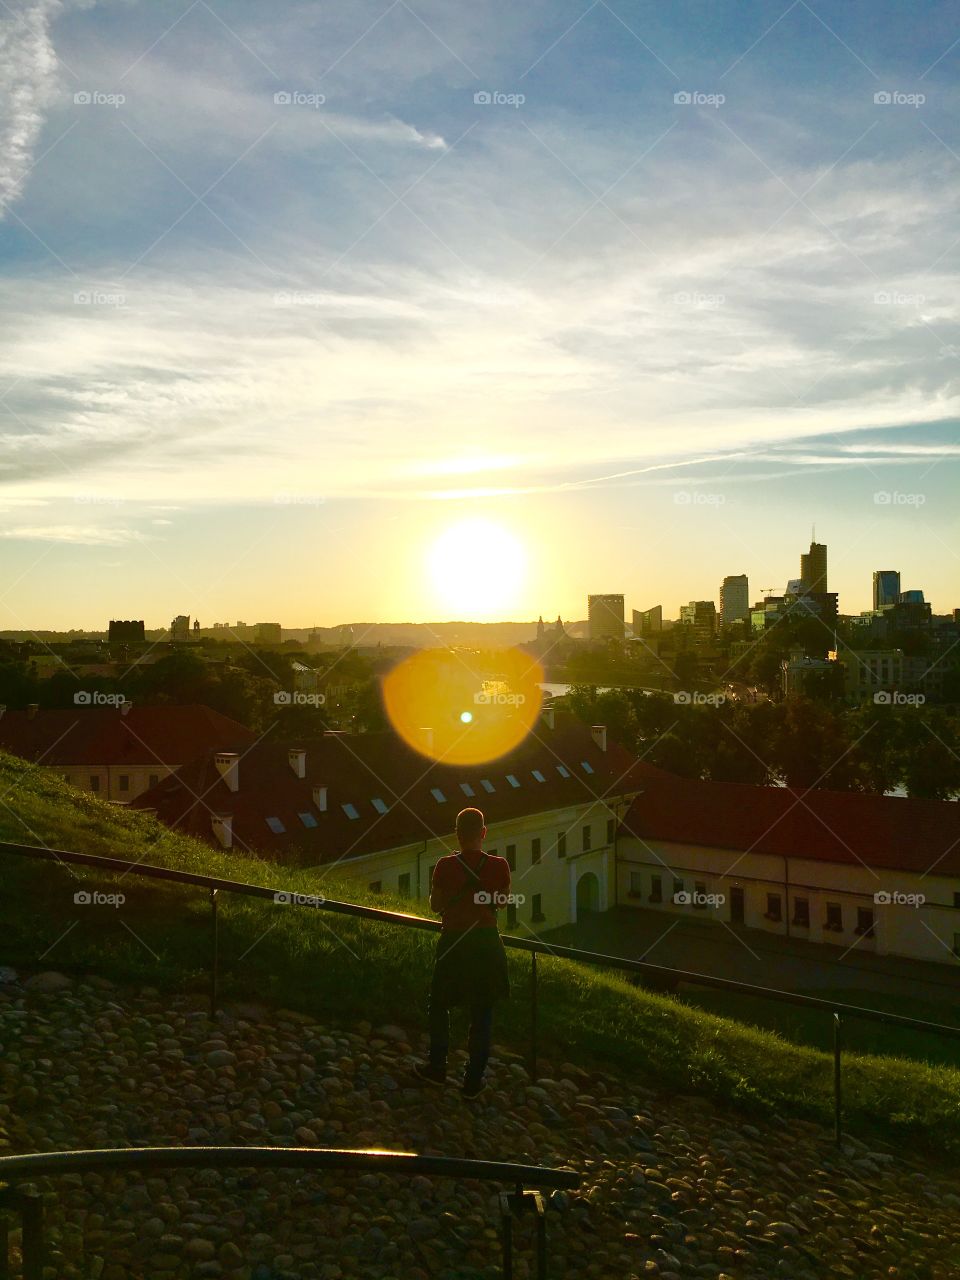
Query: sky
x: 317, y: 313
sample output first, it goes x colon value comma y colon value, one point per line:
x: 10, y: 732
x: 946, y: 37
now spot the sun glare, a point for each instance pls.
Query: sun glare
x: 478, y: 570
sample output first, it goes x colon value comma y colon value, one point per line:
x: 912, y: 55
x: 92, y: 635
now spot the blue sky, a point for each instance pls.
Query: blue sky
x: 281, y: 300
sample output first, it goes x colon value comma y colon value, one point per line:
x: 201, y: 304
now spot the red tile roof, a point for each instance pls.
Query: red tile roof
x: 357, y: 769
x: 169, y: 736
x: 832, y: 826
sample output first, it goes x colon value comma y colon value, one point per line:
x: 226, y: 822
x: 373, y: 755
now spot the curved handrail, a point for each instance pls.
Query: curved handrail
x: 407, y: 1163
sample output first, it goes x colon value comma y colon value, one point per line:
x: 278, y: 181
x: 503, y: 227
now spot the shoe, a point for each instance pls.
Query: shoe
x: 472, y: 1089
x: 430, y: 1075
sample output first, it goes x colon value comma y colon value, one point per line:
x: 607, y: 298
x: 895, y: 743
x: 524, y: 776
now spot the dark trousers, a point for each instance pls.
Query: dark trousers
x: 478, y: 1041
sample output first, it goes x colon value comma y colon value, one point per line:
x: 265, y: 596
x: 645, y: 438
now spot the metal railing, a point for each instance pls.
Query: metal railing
x: 527, y: 1180
x: 215, y: 885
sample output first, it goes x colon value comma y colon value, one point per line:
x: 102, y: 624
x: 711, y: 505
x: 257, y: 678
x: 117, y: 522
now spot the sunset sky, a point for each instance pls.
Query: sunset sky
x: 295, y: 325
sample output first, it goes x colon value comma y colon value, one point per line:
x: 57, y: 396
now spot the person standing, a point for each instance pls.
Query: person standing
x: 467, y: 889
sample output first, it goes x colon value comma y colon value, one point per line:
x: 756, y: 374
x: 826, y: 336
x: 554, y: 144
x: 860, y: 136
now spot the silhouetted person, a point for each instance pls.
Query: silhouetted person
x: 467, y: 889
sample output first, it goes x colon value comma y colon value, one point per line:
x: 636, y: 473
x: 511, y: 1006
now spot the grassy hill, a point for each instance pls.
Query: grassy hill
x: 351, y: 970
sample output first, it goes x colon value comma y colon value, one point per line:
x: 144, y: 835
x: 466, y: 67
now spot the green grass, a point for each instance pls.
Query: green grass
x: 345, y: 970
x: 814, y: 1027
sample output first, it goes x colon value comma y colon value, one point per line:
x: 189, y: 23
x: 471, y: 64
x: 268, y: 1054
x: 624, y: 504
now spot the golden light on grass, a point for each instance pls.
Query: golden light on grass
x: 447, y: 710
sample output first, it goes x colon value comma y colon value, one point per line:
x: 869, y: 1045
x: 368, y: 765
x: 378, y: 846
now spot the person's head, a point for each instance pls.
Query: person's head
x: 471, y: 829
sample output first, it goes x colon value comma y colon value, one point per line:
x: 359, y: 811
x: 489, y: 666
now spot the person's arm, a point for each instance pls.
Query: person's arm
x: 438, y: 896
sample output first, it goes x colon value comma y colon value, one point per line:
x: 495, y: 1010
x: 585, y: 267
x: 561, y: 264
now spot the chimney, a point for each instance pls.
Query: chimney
x: 222, y: 824
x: 32, y: 709
x: 125, y: 707
x: 550, y: 717
x: 228, y: 765
x: 599, y: 732
x: 320, y: 797
x: 298, y: 761
x: 426, y: 738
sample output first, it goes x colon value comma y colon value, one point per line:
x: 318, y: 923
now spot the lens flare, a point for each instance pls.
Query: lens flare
x: 440, y: 703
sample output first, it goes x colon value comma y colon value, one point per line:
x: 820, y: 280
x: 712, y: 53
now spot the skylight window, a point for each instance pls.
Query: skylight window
x: 538, y: 775
x: 563, y: 771
x: 379, y: 805
x: 350, y: 810
x: 307, y: 819
x: 586, y: 766
x: 512, y: 780
x: 487, y: 785
x: 276, y: 826
x: 467, y: 790
x: 438, y: 795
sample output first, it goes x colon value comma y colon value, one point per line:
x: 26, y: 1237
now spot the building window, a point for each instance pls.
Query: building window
x: 513, y: 780
x: 276, y: 826
x: 677, y: 886
x: 801, y: 912
x: 774, y: 909
x: 956, y: 899
x: 534, y: 851
x: 380, y: 805
x: 636, y: 885
x: 487, y: 786
x: 154, y: 779
x: 586, y: 839
x: 699, y: 894
x: 562, y: 845
x: 611, y: 830
x: 438, y: 795
x: 956, y: 944
x: 511, y: 915
x: 656, y: 888
x: 403, y: 885
x: 537, y: 775
x: 510, y: 853
x: 124, y: 782
x: 834, y: 921
x: 536, y: 914
x: 563, y: 771
x: 307, y: 819
x: 865, y: 921
x: 467, y: 790
x: 95, y: 782
x: 375, y: 886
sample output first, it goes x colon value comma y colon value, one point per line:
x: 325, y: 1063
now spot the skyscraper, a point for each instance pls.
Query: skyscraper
x: 734, y: 599
x: 606, y: 617
x: 886, y: 588
x: 813, y: 568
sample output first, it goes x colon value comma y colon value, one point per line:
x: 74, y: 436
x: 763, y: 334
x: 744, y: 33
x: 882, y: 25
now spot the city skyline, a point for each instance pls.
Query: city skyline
x: 286, y: 299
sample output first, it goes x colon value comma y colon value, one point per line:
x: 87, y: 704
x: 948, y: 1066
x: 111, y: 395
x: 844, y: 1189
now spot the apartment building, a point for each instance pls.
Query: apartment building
x: 117, y: 752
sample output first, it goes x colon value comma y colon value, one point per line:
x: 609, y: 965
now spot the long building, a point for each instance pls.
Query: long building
x: 870, y: 873
x: 369, y: 807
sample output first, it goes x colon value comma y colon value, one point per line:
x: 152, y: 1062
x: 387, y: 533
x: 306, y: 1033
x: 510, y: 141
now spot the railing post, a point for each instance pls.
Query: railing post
x: 215, y: 957
x: 4, y: 1235
x: 31, y: 1213
x: 533, y: 1015
x: 506, y: 1234
x: 837, y: 1129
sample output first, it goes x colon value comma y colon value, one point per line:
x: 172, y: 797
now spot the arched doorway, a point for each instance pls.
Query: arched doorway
x: 588, y: 894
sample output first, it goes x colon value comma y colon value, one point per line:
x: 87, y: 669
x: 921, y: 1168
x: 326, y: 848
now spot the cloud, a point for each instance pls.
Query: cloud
x: 27, y: 81
x: 84, y: 535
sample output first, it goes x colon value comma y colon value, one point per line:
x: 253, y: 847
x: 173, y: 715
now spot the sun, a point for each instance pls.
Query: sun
x: 478, y: 569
